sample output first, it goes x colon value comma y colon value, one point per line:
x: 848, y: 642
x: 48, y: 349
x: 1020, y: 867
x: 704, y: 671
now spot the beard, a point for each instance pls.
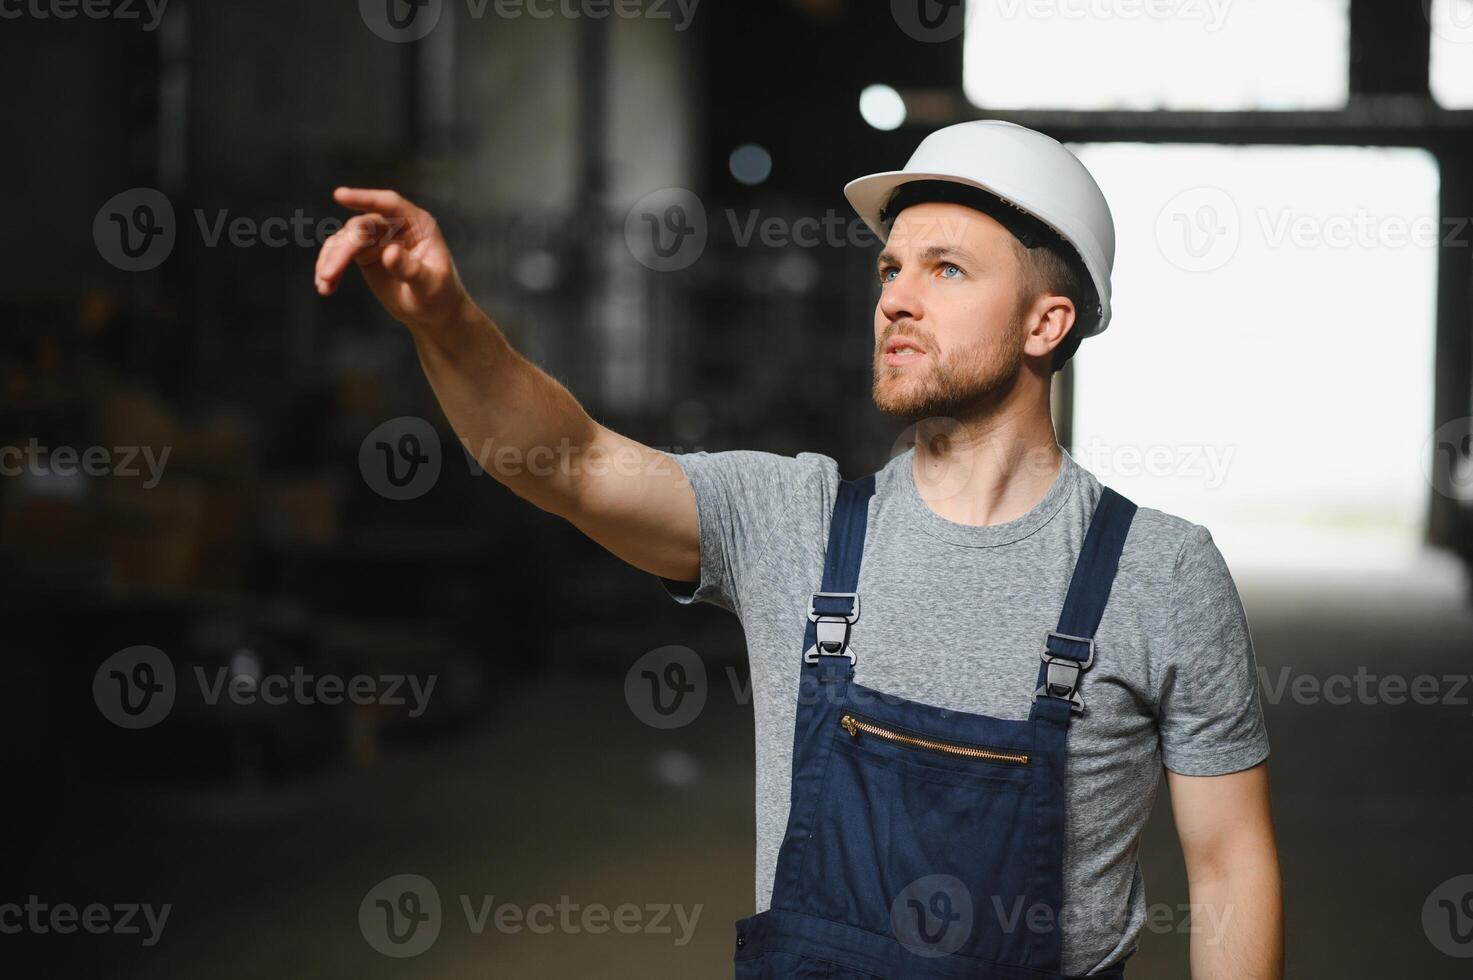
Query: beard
x: 958, y: 384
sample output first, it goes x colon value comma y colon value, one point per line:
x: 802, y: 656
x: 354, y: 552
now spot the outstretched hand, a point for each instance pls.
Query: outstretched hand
x: 404, y: 259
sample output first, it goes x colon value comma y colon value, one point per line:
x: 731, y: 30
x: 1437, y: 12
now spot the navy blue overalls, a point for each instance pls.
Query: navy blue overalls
x: 925, y: 843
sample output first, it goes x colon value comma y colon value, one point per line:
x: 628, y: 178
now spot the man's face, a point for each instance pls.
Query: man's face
x: 949, y: 330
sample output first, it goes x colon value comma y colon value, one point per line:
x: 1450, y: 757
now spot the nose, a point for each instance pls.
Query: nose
x: 900, y: 299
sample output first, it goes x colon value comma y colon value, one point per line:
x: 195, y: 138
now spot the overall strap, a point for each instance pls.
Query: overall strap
x: 1069, y: 649
x: 824, y: 675
x: 833, y: 609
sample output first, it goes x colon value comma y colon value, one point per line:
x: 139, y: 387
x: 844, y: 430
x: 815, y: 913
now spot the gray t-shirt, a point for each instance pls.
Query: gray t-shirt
x: 954, y: 615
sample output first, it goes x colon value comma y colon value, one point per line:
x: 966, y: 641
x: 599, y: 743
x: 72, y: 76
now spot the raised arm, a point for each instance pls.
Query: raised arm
x: 523, y: 427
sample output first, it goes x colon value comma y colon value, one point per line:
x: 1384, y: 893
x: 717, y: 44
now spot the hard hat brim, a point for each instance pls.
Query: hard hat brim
x: 869, y: 194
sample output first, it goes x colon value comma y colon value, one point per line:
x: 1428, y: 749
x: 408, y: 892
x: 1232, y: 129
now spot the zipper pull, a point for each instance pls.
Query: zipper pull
x: 849, y: 725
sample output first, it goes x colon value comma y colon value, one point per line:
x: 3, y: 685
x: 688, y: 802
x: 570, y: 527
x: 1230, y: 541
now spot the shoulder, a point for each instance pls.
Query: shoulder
x: 1174, y: 558
x: 759, y: 470
x: 1164, y: 552
x: 749, y: 501
x: 758, y: 461
x: 757, y: 488
x: 1163, y: 538
x: 1157, y: 540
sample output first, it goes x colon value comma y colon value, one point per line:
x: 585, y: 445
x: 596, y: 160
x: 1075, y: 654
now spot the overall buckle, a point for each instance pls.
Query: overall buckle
x: 832, y: 628
x: 1062, y: 677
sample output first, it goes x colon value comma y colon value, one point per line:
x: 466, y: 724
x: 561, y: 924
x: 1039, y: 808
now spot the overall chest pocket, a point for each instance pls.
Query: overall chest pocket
x: 923, y: 837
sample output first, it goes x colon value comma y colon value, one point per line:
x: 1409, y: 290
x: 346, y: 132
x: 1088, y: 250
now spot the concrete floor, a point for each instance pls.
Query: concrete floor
x: 562, y: 795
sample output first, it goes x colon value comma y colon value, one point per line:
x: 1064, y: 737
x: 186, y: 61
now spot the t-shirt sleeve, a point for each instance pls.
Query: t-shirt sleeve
x: 742, y: 497
x: 1209, y: 714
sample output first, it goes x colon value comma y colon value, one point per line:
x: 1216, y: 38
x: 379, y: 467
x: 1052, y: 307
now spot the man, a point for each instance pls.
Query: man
x: 952, y: 774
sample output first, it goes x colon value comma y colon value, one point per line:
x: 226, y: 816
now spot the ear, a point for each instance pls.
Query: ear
x: 1048, y: 321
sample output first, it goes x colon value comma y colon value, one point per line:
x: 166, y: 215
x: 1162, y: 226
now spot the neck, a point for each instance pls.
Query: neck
x: 990, y: 469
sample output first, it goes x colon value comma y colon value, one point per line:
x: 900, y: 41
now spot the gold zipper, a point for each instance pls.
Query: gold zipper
x: 854, y: 725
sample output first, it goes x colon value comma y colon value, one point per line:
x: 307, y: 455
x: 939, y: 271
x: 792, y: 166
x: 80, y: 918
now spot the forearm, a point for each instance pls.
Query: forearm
x: 1238, y: 922
x: 522, y: 426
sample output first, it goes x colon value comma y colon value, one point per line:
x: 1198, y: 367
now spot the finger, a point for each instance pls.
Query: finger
x: 369, y: 199
x: 335, y: 255
x: 402, y: 263
x: 360, y: 240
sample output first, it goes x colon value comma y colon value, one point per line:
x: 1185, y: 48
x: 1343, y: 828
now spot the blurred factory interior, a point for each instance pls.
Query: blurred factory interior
x: 1311, y: 387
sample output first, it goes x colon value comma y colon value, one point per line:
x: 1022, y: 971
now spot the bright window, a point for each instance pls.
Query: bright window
x: 1268, y: 369
x: 1157, y: 54
x: 1451, y: 69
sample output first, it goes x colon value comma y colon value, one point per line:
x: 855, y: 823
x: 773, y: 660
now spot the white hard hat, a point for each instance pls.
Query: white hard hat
x: 1033, y: 172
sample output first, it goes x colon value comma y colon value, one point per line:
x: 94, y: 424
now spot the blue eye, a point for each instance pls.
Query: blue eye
x: 887, y: 274
x: 951, y: 268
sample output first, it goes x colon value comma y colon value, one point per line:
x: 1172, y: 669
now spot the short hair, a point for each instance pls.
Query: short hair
x: 1050, y: 264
